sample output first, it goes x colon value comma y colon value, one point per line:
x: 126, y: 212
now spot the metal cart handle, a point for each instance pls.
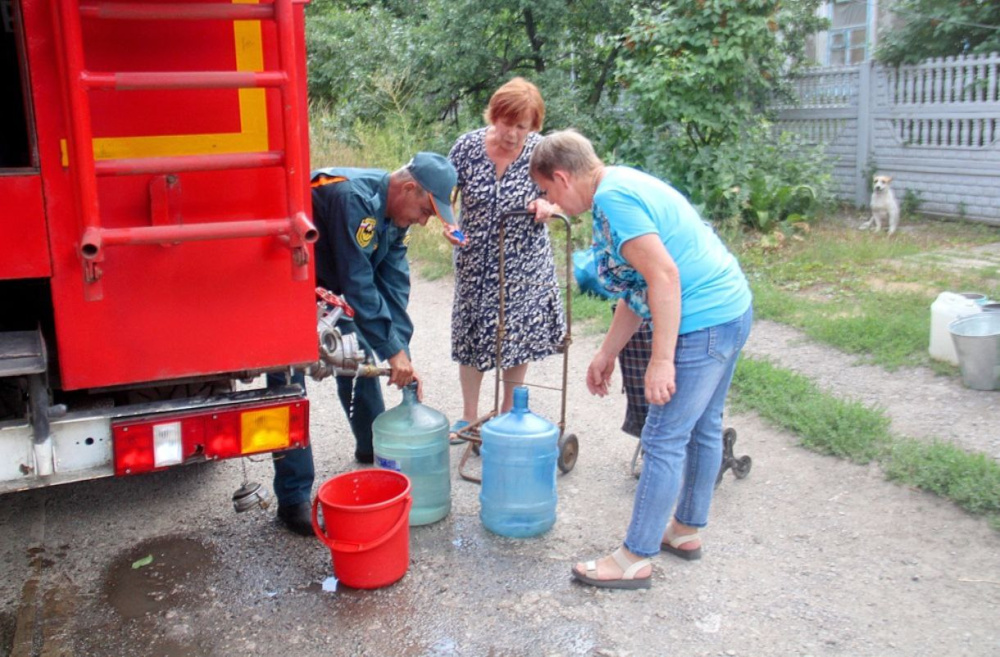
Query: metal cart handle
x: 567, y: 338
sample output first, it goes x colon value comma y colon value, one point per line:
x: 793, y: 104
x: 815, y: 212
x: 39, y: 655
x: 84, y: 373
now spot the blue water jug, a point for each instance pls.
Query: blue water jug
x: 413, y: 439
x: 519, y: 452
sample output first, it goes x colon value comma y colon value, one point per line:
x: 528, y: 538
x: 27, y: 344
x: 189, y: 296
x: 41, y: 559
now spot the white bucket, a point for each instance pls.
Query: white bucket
x: 948, y: 307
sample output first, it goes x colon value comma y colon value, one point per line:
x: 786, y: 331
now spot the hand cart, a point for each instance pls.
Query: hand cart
x: 740, y: 465
x: 569, y: 446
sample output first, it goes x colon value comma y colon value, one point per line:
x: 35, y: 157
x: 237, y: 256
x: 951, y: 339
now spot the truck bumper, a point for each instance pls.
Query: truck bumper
x: 82, y: 444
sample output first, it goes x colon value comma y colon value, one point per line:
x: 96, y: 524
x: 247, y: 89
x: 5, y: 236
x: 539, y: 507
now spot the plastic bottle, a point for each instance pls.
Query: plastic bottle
x: 948, y: 307
x: 519, y: 451
x: 413, y: 439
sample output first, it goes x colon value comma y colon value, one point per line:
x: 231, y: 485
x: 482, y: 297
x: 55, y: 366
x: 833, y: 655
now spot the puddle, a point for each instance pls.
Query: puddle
x: 174, y: 577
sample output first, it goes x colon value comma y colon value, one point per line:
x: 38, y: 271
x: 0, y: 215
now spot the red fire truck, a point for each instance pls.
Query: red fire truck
x: 156, y: 234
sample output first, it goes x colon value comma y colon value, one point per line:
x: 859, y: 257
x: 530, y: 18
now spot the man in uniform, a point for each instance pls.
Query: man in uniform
x: 363, y: 216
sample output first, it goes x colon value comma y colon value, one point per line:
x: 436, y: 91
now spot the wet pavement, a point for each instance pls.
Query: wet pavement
x: 797, y: 559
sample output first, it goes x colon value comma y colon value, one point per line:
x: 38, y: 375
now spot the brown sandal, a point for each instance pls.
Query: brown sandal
x: 628, y: 580
x: 673, y: 545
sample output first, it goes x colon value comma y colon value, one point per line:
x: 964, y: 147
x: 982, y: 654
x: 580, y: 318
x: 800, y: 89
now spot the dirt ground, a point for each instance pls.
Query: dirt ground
x: 808, y: 555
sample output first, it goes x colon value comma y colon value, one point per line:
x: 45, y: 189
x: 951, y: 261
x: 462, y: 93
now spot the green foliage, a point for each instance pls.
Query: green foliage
x: 912, y: 200
x: 591, y: 315
x: 971, y: 480
x: 888, y: 329
x: 766, y: 181
x: 705, y: 69
x: 446, y: 57
x: 940, y: 28
x: 694, y: 75
x: 700, y: 75
x: 823, y: 423
x: 357, y: 59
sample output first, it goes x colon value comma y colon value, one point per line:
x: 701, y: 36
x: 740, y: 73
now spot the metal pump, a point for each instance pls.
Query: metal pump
x: 340, y: 354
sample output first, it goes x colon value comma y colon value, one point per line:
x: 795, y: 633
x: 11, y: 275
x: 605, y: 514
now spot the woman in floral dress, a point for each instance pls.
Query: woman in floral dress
x: 492, y: 165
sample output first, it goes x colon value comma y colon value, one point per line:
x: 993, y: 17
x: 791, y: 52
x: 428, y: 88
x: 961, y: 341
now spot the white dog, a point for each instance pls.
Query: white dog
x: 883, y: 206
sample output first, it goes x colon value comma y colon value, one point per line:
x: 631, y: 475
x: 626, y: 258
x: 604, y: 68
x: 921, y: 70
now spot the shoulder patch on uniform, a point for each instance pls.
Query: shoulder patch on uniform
x: 366, y: 231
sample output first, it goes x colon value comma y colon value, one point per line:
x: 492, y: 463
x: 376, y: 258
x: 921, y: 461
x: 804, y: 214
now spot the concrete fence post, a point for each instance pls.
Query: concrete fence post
x: 865, y: 132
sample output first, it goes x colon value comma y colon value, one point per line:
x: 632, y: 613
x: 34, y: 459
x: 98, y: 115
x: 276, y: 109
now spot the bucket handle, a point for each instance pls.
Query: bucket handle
x: 348, y: 546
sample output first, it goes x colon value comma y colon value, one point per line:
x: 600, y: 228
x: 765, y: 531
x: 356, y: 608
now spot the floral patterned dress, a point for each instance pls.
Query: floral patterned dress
x: 533, y: 311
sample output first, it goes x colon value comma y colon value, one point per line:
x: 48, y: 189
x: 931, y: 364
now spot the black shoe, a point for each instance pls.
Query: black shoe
x: 366, y: 458
x: 297, y: 518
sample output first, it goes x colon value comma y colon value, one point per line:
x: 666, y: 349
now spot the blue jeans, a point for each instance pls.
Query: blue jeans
x: 293, y: 468
x: 361, y: 399
x: 682, y: 439
x: 362, y: 402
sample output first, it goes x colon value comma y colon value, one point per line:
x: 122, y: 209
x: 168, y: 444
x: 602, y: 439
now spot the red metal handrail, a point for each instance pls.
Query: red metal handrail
x: 176, y: 11
x: 301, y: 227
x: 179, y: 163
x: 69, y: 49
x: 132, y: 81
x: 295, y: 166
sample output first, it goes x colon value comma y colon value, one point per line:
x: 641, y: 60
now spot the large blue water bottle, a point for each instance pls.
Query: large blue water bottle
x: 413, y: 439
x: 519, y: 452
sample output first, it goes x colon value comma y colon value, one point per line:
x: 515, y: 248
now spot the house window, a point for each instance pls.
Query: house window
x: 848, y: 46
x: 848, y: 35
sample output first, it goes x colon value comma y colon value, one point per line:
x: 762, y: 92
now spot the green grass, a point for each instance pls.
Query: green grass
x: 971, y: 480
x: 867, y: 294
x: 824, y: 423
x: 850, y: 430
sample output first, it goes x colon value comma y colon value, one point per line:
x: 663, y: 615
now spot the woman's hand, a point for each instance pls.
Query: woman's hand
x: 599, y: 373
x: 660, y: 381
x: 543, y: 209
x: 454, y: 235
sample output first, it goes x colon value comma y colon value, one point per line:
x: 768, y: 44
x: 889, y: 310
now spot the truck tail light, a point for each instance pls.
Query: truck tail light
x: 167, y: 446
x: 147, y: 444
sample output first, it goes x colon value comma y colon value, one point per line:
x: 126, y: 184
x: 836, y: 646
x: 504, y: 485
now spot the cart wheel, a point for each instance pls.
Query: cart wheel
x: 569, y: 449
x: 722, y: 472
x: 742, y: 467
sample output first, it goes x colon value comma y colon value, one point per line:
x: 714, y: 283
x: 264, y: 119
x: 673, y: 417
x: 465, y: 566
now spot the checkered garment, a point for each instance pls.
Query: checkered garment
x: 633, y: 360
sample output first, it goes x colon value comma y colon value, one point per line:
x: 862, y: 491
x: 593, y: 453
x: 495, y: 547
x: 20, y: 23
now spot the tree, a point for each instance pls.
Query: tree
x: 940, y: 28
x: 448, y: 56
x: 708, y: 68
x: 701, y: 75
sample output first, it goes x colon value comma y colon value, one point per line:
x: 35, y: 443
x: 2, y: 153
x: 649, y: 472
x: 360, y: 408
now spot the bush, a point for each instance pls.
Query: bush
x: 767, y: 182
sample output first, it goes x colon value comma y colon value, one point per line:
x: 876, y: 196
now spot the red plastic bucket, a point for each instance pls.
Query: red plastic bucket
x: 366, y: 513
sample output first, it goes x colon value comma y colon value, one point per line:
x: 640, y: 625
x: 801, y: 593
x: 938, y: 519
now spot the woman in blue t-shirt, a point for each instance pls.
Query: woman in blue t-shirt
x: 666, y: 264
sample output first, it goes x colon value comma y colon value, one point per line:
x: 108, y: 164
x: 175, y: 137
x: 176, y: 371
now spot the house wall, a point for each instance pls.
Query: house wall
x: 934, y: 127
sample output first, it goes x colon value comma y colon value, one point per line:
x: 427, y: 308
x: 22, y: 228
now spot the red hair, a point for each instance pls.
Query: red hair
x: 516, y: 100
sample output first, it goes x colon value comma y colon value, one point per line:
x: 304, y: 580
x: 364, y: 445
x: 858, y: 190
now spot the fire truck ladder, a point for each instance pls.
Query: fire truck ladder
x: 296, y: 230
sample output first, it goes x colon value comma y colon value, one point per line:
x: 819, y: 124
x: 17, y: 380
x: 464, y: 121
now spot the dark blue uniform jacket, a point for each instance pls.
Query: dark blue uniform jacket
x: 361, y: 254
